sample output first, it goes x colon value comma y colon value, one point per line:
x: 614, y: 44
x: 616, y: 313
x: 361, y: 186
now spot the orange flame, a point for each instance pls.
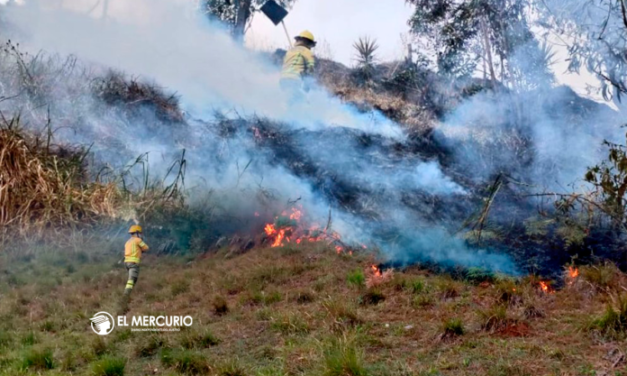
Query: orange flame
x: 376, y: 271
x: 544, y: 286
x: 573, y: 272
x: 278, y: 241
x: 269, y: 229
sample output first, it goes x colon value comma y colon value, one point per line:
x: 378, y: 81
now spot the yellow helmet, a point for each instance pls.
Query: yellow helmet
x: 307, y: 35
x: 134, y: 229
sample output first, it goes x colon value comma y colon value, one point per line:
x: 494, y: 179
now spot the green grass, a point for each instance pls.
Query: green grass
x: 108, y: 366
x: 342, y: 358
x: 290, y: 323
x: 453, y: 327
x: 38, y: 359
x: 185, y: 361
x: 319, y: 326
x: 198, y: 339
x: 417, y: 286
x: 613, y: 323
x: 372, y: 297
x: 356, y: 278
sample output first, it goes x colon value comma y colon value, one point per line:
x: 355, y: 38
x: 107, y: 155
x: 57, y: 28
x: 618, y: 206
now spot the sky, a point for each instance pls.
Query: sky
x: 337, y: 24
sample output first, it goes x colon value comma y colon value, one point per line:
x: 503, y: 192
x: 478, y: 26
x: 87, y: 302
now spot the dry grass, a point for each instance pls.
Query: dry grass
x: 43, y: 186
x: 479, y: 329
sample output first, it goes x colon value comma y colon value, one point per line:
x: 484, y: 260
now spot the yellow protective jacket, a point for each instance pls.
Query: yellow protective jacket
x: 133, y: 250
x: 298, y: 62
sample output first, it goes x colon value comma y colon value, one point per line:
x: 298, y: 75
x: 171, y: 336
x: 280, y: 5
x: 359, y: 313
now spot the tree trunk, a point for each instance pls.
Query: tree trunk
x: 488, y: 49
x: 243, y: 8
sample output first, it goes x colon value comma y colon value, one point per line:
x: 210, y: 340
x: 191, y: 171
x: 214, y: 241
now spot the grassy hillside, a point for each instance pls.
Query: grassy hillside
x: 305, y: 310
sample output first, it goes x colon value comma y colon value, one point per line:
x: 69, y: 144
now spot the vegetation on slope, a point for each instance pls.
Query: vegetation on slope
x: 305, y: 310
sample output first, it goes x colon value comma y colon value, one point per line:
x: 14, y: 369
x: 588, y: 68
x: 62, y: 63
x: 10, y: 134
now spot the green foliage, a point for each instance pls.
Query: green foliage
x: 38, y: 358
x: 365, y: 56
x: 228, y: 11
x: 30, y: 339
x: 356, y: 278
x: 495, y: 32
x: 610, y: 178
x: 479, y: 275
x: 108, y: 366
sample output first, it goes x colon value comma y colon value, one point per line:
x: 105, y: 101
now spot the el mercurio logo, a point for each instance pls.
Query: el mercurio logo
x: 102, y: 323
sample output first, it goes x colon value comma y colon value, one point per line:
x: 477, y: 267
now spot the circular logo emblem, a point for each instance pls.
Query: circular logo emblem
x: 102, y: 323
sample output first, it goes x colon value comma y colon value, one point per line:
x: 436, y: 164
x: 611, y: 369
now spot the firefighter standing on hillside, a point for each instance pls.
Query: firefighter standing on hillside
x: 298, y: 65
x: 132, y: 255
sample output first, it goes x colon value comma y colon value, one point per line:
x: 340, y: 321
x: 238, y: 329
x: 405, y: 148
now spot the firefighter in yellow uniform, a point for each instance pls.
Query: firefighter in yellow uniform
x: 298, y: 65
x: 132, y: 255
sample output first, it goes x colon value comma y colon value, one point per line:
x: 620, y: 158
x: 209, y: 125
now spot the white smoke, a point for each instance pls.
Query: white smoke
x: 167, y: 42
